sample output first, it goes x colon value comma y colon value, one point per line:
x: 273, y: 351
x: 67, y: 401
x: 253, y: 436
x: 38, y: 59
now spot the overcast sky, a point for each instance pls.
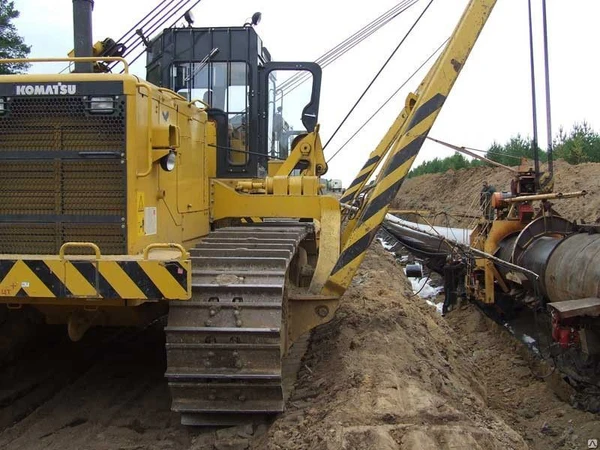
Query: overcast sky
x: 490, y: 101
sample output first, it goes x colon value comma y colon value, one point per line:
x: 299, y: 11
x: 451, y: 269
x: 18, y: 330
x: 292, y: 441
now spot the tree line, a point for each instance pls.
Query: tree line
x: 581, y: 144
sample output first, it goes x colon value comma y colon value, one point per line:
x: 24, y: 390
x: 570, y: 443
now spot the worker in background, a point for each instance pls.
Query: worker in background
x: 278, y: 132
x: 453, y: 281
x: 514, y: 185
x: 485, y: 200
x: 278, y: 122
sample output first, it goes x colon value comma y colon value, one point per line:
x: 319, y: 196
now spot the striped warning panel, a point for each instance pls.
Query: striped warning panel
x: 420, y: 113
x: 251, y: 220
x: 389, y: 182
x: 113, y: 280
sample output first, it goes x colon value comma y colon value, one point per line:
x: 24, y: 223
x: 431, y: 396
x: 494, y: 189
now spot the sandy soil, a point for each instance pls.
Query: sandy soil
x: 457, y: 192
x: 532, y: 406
x: 104, y: 393
x: 388, y: 373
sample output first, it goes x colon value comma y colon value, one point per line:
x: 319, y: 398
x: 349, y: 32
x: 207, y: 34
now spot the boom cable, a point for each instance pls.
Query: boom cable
x: 379, y: 72
x: 349, y: 43
x: 167, y: 16
x: 491, y: 152
x: 388, y: 100
x: 143, y: 30
x: 131, y: 34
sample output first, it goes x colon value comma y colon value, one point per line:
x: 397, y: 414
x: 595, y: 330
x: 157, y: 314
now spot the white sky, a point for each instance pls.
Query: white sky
x: 490, y: 101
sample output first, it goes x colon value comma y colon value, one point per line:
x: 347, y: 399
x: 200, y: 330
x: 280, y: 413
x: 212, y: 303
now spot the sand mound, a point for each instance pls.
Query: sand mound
x: 387, y: 373
x: 457, y: 192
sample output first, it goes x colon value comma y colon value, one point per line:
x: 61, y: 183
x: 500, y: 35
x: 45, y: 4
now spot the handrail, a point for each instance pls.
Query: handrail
x: 68, y: 59
x: 184, y: 253
x: 171, y: 92
x: 146, y: 172
x: 61, y: 252
x: 198, y: 100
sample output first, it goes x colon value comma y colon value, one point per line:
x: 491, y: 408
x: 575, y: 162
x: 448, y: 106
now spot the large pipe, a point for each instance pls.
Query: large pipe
x: 82, y: 33
x: 565, y: 263
x: 536, y: 256
x: 573, y: 269
x: 446, y: 239
x: 568, y: 268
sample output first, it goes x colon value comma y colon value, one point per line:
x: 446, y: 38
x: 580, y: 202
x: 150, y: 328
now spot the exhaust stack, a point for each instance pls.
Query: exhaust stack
x: 82, y: 33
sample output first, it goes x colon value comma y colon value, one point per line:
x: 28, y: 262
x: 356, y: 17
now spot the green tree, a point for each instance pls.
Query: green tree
x: 581, y: 145
x: 11, y: 44
x: 437, y: 165
x: 510, y: 154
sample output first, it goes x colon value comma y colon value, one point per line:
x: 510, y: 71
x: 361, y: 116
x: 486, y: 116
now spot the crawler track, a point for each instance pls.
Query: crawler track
x: 225, y: 345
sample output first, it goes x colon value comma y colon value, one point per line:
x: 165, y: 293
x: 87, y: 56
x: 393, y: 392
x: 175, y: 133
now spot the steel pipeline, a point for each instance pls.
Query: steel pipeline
x: 567, y: 262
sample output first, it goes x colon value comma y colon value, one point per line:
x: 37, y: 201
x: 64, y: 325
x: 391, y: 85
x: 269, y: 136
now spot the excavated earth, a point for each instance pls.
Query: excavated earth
x: 457, y: 192
x: 387, y: 373
x: 390, y: 373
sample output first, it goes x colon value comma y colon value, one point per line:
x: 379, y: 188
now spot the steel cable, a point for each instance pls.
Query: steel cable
x: 131, y: 33
x: 349, y: 43
x: 379, y: 72
x: 159, y: 25
x: 388, y: 100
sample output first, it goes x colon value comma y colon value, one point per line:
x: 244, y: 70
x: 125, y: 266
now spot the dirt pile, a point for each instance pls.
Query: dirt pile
x: 457, y: 192
x: 387, y: 373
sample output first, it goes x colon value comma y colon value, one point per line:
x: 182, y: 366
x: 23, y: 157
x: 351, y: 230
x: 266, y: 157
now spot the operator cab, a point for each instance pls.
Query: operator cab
x: 259, y: 106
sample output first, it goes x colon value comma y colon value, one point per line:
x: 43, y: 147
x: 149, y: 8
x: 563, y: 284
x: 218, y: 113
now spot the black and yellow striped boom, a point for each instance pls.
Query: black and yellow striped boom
x: 402, y: 143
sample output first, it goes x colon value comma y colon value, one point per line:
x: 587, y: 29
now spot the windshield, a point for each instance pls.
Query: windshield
x: 289, y: 93
x: 224, y: 86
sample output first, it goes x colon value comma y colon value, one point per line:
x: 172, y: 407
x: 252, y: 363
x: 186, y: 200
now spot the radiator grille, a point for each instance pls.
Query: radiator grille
x: 63, y: 175
x: 62, y: 187
x: 60, y: 123
x: 46, y: 238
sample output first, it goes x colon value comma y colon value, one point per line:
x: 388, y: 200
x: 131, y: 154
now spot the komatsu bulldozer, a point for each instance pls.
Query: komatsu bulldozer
x: 194, y: 192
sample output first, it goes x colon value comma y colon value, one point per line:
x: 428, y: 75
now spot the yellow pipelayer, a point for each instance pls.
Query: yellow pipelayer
x: 155, y: 130
x: 115, y: 192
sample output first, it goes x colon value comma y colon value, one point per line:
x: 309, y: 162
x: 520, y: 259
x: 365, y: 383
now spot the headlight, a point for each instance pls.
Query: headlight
x: 102, y: 104
x: 2, y: 107
x: 167, y: 162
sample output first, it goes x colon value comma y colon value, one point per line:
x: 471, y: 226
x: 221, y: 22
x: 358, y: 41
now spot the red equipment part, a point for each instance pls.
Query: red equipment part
x: 525, y: 212
x: 564, y: 333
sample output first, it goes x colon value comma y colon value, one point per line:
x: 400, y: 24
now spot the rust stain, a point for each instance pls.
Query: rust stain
x: 456, y: 64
